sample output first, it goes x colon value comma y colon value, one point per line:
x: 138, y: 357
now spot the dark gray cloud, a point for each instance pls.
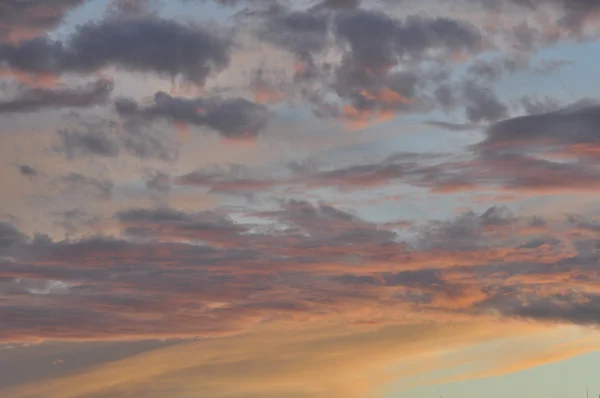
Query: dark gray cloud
x: 372, y: 44
x: 166, y: 222
x: 243, y: 180
x: 147, y: 143
x: 235, y: 118
x: 423, y: 280
x: 91, y: 141
x: 462, y: 233
x: 377, y: 40
x: 575, y: 124
x: 10, y: 236
x: 336, y: 4
x: 34, y: 99
x: 483, y: 105
x: 148, y: 44
x: 302, y: 32
x: 571, y: 306
x: 27, y: 170
x: 106, y: 138
x: 445, y: 96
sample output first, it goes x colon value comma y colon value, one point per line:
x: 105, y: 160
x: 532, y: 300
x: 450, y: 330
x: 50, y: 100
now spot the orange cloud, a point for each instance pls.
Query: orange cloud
x: 34, y: 80
x: 329, y: 361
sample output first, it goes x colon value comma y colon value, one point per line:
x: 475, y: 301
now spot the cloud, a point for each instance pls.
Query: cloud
x: 77, y: 184
x: 9, y: 236
x: 503, y: 170
x: 339, y: 4
x: 298, y: 31
x: 373, y: 46
x: 570, y: 125
x: 177, y: 50
x: 87, y: 136
x: 94, y: 142
x: 377, y: 40
x: 483, y: 104
x: 235, y: 118
x: 26, y: 19
x: 327, y: 361
x: 168, y: 224
x: 158, y: 182
x: 27, y: 170
x: 242, y: 180
x: 169, y: 273
x: 30, y: 100
x: 575, y: 307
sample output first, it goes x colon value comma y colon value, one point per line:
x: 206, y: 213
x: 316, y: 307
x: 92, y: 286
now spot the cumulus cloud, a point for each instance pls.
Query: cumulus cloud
x: 234, y: 118
x: 575, y: 124
x: 34, y: 99
x: 75, y: 143
x: 144, y: 44
x: 27, y: 170
x: 105, y: 138
x: 244, y: 180
x: 377, y: 40
x: 10, y: 235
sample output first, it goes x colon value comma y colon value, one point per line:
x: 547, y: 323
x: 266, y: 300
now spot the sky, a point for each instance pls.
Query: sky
x: 308, y: 198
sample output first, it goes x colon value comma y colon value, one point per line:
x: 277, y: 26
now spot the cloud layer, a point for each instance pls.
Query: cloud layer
x: 284, y: 186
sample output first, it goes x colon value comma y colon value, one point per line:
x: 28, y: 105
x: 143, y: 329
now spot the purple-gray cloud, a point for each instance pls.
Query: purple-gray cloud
x: 145, y: 44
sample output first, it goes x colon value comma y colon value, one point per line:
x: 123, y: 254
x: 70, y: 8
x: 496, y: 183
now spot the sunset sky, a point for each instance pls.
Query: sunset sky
x: 299, y: 198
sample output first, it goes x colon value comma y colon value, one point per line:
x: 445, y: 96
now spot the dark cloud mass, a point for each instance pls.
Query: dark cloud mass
x: 160, y: 46
x: 29, y: 100
x: 376, y: 40
x: 235, y: 118
x: 27, y: 170
x: 93, y: 142
x: 9, y: 235
x: 104, y: 138
x: 575, y: 124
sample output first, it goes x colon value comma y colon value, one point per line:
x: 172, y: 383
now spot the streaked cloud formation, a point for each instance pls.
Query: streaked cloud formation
x: 315, y: 198
x: 305, y: 363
